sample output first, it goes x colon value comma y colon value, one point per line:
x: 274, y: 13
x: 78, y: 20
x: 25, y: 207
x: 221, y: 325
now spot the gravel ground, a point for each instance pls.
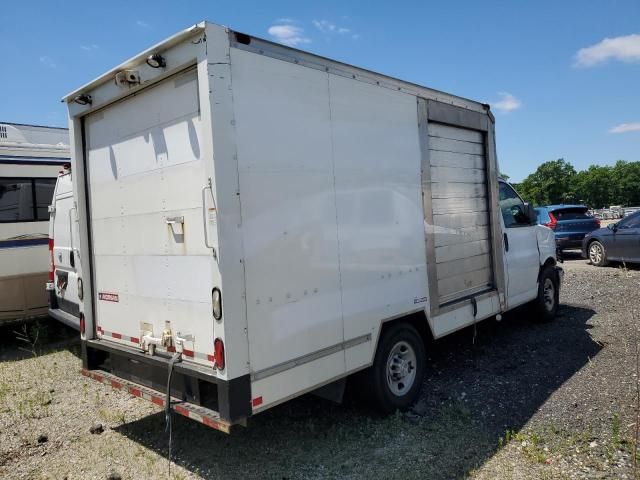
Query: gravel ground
x: 524, y: 400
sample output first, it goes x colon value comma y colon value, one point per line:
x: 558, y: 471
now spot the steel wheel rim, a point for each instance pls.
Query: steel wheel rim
x: 549, y: 294
x: 401, y: 368
x: 595, y: 253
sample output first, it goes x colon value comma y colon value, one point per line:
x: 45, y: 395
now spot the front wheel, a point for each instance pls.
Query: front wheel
x: 597, y: 254
x: 548, y: 294
x: 395, y: 378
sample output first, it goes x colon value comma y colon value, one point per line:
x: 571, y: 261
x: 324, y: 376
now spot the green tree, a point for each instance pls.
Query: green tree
x: 626, y: 176
x: 596, y: 186
x: 553, y: 182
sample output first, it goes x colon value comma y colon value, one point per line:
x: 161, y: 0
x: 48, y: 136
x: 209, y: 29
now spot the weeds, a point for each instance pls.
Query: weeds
x: 29, y: 335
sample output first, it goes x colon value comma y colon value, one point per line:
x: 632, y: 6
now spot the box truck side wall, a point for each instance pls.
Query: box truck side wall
x: 333, y: 228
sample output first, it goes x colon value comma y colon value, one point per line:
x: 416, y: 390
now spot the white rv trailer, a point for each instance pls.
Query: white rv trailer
x: 279, y: 221
x: 30, y: 158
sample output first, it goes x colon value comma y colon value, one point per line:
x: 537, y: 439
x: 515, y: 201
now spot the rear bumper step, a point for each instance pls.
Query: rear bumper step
x: 204, y: 415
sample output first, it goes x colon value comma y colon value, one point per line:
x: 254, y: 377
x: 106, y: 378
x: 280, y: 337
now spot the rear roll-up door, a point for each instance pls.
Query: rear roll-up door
x: 461, y: 227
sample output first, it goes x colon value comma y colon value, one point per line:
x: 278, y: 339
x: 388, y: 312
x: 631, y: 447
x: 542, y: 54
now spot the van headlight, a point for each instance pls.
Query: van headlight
x: 216, y: 301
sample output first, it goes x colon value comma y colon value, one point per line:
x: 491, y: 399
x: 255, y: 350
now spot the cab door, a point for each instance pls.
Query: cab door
x: 521, y: 248
x: 627, y: 239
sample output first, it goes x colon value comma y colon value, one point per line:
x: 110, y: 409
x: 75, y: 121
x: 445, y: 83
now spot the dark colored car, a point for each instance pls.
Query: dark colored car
x: 618, y: 241
x: 569, y: 222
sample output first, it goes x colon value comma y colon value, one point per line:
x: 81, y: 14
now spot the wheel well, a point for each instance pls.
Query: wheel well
x: 550, y: 262
x: 591, y: 240
x: 418, y: 320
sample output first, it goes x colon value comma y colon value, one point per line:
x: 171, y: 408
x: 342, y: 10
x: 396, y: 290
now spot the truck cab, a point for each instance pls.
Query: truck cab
x: 530, y: 254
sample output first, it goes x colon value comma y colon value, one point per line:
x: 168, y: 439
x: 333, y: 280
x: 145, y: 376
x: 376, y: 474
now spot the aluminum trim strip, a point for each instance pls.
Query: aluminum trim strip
x: 296, y: 362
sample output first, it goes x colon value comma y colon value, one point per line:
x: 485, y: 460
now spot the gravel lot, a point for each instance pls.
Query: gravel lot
x: 526, y: 400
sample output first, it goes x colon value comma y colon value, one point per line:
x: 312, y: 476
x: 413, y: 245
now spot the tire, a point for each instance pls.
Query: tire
x: 394, y: 380
x: 548, y: 297
x: 597, y: 254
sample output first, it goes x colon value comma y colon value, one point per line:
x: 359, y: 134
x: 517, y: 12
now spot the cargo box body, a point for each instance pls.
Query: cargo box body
x: 322, y: 200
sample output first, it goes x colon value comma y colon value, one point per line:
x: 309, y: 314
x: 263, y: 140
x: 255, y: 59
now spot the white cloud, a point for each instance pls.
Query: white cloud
x: 288, y: 35
x: 330, y: 28
x: 626, y: 127
x: 47, y: 61
x: 89, y: 48
x: 142, y: 24
x: 625, y: 49
x: 507, y: 103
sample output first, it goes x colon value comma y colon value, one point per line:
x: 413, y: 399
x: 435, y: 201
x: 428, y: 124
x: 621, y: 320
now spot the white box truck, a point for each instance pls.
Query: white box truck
x: 279, y: 221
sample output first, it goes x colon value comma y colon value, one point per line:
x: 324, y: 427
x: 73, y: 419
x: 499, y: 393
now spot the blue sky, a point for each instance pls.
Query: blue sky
x: 566, y: 73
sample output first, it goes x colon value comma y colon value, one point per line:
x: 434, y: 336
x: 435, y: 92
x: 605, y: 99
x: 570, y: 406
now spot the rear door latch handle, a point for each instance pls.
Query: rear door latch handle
x: 506, y: 242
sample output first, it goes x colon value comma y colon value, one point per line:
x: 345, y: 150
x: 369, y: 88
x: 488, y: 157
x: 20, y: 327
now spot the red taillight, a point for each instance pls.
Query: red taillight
x: 218, y: 353
x: 51, y: 267
x: 598, y: 222
x: 552, y: 222
x: 82, y: 323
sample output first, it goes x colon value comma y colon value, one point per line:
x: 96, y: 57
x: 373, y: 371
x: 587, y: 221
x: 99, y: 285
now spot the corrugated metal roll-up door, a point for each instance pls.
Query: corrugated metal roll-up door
x: 460, y: 211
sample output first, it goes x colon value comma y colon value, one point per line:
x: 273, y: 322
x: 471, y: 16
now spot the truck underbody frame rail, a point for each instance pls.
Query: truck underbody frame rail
x: 198, y: 413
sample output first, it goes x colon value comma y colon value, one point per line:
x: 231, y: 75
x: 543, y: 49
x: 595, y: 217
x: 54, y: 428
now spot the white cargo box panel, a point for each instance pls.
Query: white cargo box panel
x: 141, y: 154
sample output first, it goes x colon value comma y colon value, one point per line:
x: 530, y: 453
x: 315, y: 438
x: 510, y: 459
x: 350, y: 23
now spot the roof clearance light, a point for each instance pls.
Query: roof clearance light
x: 156, y: 60
x: 83, y: 99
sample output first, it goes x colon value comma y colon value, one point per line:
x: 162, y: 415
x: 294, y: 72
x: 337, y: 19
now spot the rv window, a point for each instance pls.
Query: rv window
x: 512, y: 207
x: 16, y: 200
x: 44, y: 194
x: 17, y: 197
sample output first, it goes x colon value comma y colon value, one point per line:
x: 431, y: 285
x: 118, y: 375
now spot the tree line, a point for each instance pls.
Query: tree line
x: 557, y: 182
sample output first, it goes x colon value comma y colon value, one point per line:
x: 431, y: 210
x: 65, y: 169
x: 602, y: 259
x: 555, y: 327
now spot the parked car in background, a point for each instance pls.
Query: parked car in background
x: 570, y: 223
x: 64, y: 287
x: 618, y: 242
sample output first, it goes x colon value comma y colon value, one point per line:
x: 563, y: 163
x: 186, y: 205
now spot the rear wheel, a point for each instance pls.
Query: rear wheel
x: 597, y: 254
x: 393, y: 382
x: 548, y: 294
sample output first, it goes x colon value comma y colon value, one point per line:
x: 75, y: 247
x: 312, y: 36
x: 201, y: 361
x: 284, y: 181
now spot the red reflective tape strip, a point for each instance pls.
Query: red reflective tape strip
x: 97, y: 377
x: 256, y: 401
x: 181, y: 410
x: 157, y: 401
x: 85, y: 373
x: 116, y: 335
x: 211, y: 358
x: 171, y: 349
x: 211, y: 423
x: 116, y: 384
x: 135, y: 391
x: 134, y: 340
x: 188, y: 353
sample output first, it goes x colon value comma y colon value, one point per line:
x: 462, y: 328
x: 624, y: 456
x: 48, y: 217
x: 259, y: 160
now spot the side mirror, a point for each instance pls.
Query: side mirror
x: 612, y: 226
x: 531, y: 213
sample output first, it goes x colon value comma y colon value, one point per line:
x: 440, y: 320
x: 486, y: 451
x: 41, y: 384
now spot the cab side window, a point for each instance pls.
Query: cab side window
x: 512, y: 207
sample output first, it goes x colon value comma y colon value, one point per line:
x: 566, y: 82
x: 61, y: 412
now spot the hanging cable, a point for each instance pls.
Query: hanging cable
x: 177, y: 357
